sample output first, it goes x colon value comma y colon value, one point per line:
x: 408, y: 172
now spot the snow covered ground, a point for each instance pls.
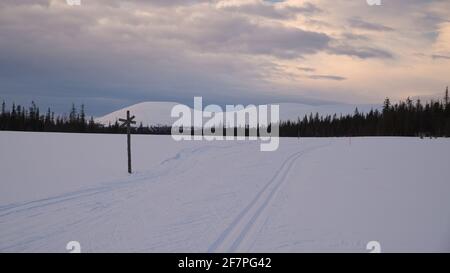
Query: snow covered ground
x: 330, y: 194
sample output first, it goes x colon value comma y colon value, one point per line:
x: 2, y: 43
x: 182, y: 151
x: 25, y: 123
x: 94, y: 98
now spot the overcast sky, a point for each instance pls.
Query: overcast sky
x: 113, y: 53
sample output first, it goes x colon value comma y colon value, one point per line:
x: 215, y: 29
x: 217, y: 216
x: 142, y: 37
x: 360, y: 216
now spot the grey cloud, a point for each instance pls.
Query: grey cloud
x: 284, y: 42
x: 355, y: 37
x: 357, y: 22
x: 7, y: 3
x: 274, y: 11
x: 437, y: 56
x: 327, y: 77
x: 306, y: 69
x: 239, y: 35
x: 165, y: 50
x: 93, y: 55
x: 307, y: 8
x: 154, y: 3
x: 363, y: 52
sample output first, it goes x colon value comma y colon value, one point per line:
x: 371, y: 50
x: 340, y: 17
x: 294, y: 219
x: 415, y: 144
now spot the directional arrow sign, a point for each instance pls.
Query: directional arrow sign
x: 127, y: 122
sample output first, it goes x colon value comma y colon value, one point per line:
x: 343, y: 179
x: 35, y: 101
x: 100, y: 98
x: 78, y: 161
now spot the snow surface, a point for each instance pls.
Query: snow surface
x: 329, y: 194
x: 158, y: 113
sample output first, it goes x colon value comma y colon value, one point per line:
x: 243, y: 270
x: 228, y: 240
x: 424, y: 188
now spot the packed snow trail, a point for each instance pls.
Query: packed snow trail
x: 233, y: 236
x: 111, y: 192
x: 107, y: 186
x: 79, y: 209
x: 310, y: 195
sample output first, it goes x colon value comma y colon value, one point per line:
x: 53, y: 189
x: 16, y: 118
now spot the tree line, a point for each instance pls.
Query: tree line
x: 20, y: 118
x: 405, y: 118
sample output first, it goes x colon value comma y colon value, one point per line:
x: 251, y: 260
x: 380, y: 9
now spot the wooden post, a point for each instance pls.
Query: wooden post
x: 127, y: 122
x: 129, y: 142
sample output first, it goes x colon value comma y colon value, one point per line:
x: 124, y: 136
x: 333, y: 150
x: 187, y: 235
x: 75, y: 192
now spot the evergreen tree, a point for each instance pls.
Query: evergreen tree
x: 386, y: 105
x: 446, y: 99
x: 91, y: 125
x: 73, y: 114
x: 82, y: 115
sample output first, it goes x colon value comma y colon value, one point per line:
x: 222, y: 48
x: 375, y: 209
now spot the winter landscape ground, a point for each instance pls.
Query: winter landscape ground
x: 311, y: 195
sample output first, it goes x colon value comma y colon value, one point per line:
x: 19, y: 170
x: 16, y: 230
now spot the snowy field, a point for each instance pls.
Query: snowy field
x: 312, y: 195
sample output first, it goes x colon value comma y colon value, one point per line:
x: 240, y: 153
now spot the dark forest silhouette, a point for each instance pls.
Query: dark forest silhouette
x: 406, y: 118
x: 19, y: 118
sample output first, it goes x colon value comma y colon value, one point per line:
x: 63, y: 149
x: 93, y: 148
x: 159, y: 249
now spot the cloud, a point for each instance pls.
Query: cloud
x: 269, y: 10
x: 363, y: 52
x: 112, y: 52
x: 435, y: 57
x: 306, y: 69
x: 327, y: 77
x: 442, y: 40
x: 355, y: 37
x: 240, y: 35
x: 357, y: 22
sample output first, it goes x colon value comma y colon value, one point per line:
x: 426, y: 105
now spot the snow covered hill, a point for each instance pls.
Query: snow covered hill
x: 149, y: 113
x: 158, y: 113
x: 327, y: 194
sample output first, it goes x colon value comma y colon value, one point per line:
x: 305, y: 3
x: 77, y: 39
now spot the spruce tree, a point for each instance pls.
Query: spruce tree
x: 91, y: 124
x: 82, y: 121
x: 48, y: 120
x: 73, y: 114
x: 386, y: 105
x: 3, y: 108
x: 446, y: 99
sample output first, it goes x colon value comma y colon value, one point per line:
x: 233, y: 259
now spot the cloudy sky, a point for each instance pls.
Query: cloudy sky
x: 113, y: 53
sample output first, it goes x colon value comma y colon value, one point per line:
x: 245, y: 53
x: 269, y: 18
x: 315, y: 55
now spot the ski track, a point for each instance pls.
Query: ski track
x: 231, y: 239
x: 118, y: 191
x: 107, y: 186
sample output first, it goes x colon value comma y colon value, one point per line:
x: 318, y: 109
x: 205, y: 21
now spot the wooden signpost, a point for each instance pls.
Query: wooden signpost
x: 127, y: 122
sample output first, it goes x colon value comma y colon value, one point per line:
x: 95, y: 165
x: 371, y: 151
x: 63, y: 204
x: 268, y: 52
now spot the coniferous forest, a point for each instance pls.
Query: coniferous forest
x: 20, y: 118
x: 405, y: 118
